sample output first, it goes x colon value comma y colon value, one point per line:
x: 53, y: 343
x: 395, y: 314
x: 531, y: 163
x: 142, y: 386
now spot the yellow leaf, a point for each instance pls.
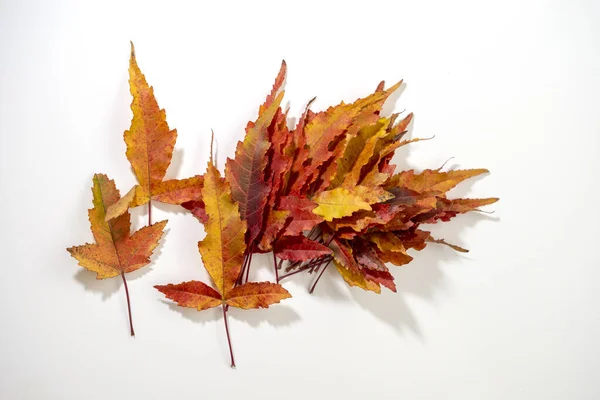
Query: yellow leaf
x: 356, y: 279
x: 337, y: 203
x: 355, y: 147
x: 375, y: 133
x: 223, y: 247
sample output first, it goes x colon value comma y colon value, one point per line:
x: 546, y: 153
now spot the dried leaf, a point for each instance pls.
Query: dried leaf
x: 245, y: 172
x: 222, y: 252
x: 115, y: 252
x: 299, y: 248
x: 338, y: 203
x: 150, y: 144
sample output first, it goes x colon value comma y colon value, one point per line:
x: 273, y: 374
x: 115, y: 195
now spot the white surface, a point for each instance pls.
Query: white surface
x: 508, y: 86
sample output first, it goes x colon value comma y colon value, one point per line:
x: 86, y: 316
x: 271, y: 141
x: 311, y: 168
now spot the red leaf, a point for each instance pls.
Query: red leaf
x: 299, y: 248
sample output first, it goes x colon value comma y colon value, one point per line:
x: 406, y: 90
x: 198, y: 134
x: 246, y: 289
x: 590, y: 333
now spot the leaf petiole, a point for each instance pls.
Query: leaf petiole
x: 312, y: 289
x: 128, y: 303
x: 228, y: 337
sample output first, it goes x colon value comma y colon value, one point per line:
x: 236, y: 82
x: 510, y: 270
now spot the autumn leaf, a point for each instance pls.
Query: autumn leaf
x: 278, y: 164
x: 302, y: 214
x: 433, y: 180
x: 245, y: 171
x: 299, y: 248
x: 197, y: 208
x: 115, y: 252
x: 150, y: 144
x: 360, y: 151
x: 452, y: 246
x: 340, y: 169
x: 339, y: 202
x: 342, y: 202
x: 355, y: 278
x: 223, y: 251
x: 325, y: 137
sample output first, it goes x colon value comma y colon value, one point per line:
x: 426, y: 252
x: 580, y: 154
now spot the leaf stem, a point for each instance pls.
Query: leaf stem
x: 242, y: 270
x: 249, y: 262
x: 312, y: 289
x: 128, y: 303
x: 276, y: 269
x: 292, y: 273
x: 315, y: 262
x: 293, y: 265
x: 149, y: 212
x: 228, y: 337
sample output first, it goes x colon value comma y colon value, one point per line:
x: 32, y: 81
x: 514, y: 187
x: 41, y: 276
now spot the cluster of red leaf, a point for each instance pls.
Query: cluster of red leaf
x: 325, y: 191
x: 322, y: 193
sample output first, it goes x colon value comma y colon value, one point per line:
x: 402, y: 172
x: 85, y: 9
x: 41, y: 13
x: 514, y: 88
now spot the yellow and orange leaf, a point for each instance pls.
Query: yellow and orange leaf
x: 193, y: 294
x: 223, y: 251
x: 150, y: 144
x: 432, y: 180
x: 342, y: 202
x: 256, y: 295
x: 223, y: 247
x: 115, y: 251
x: 354, y: 278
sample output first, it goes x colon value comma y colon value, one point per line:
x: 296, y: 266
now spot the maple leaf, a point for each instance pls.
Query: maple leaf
x: 223, y: 250
x: 150, y: 144
x: 115, y: 252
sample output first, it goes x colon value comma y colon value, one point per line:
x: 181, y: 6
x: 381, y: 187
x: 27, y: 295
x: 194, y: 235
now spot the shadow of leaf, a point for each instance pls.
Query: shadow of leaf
x: 192, y: 314
x: 175, y: 166
x: 390, y: 104
x: 106, y: 287
x: 390, y: 308
x: 170, y: 208
x: 328, y: 286
x: 276, y: 315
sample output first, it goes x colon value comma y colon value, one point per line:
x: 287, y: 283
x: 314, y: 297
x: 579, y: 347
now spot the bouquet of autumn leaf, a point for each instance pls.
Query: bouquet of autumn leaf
x: 325, y: 192
x: 322, y: 193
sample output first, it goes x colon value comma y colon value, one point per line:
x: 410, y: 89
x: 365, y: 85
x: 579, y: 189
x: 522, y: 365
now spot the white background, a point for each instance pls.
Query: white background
x: 511, y: 86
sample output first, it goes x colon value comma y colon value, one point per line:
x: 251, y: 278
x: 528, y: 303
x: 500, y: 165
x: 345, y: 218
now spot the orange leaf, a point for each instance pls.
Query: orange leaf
x: 327, y: 129
x: 192, y: 294
x: 256, y: 295
x: 115, y: 252
x: 432, y: 180
x: 223, y: 250
x: 150, y: 144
